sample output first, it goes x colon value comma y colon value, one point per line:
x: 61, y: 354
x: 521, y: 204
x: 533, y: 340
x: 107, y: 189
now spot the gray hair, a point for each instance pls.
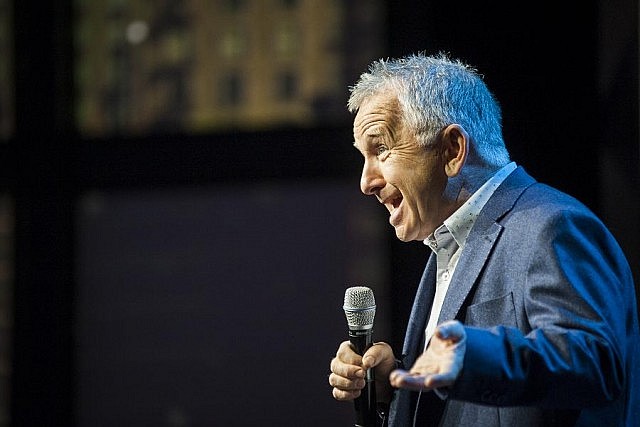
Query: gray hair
x: 434, y: 92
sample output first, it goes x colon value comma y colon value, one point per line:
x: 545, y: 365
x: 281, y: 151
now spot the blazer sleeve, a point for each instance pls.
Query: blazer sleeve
x: 571, y: 347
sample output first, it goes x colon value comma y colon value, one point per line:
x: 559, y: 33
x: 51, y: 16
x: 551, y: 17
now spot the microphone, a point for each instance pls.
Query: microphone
x: 360, y: 310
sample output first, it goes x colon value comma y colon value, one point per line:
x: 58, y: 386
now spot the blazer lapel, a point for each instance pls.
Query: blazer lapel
x: 419, y: 313
x: 481, y: 240
x: 467, y: 271
x: 401, y: 411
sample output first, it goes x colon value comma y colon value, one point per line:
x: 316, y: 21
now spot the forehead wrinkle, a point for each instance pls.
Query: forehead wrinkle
x: 384, y: 114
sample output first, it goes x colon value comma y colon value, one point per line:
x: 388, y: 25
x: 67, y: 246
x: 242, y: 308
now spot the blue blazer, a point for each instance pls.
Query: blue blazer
x: 549, y: 307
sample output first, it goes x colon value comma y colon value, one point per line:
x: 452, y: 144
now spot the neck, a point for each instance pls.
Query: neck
x: 461, y: 187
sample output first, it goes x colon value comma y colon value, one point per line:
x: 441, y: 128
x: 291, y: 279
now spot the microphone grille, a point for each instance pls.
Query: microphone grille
x: 359, y: 307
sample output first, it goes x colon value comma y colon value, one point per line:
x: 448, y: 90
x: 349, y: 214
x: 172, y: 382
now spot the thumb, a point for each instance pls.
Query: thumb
x: 369, y: 359
x: 451, y: 330
x: 376, y: 354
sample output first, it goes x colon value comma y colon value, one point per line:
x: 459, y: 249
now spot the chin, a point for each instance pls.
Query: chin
x: 402, y: 236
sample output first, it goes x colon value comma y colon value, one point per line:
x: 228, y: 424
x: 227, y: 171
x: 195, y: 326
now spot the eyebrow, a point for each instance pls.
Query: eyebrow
x: 371, y: 134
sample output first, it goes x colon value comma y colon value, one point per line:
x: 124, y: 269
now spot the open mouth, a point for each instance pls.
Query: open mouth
x: 396, y: 202
x: 395, y: 214
x: 393, y: 203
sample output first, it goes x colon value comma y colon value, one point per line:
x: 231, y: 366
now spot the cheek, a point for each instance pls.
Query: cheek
x: 415, y: 179
x: 418, y: 187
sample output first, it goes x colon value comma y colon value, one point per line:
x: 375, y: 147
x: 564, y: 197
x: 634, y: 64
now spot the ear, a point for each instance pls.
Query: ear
x: 455, y: 149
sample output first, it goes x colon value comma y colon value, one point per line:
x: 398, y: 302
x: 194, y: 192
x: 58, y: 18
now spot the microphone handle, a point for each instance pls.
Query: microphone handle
x: 365, y: 404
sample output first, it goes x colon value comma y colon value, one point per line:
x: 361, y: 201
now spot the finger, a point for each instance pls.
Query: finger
x: 371, y: 357
x: 345, y: 384
x: 451, y: 330
x: 344, y: 394
x: 346, y: 370
x: 403, y: 379
x: 344, y: 388
x: 346, y: 354
x: 378, y: 353
x: 439, y: 380
x: 415, y: 382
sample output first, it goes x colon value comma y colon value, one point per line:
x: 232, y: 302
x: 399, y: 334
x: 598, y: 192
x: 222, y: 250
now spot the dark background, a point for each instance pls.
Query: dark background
x: 566, y: 74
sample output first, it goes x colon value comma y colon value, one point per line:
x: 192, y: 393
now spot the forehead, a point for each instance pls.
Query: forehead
x: 380, y: 109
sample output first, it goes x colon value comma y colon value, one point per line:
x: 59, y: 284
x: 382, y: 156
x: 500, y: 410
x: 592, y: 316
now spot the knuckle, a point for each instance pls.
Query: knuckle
x: 338, y: 394
x: 333, y: 380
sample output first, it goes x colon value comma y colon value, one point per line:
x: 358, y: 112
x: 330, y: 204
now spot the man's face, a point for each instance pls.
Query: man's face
x: 408, y: 179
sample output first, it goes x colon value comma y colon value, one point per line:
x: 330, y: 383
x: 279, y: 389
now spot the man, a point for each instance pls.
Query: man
x: 526, y: 312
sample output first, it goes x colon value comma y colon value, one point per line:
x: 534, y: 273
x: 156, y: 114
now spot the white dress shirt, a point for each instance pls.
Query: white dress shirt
x: 448, y: 241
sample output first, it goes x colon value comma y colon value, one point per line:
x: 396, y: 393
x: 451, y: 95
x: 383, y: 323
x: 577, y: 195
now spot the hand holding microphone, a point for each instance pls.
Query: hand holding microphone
x: 357, y: 361
x: 360, y: 310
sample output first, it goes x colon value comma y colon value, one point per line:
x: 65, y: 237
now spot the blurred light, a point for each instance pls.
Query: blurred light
x: 137, y: 32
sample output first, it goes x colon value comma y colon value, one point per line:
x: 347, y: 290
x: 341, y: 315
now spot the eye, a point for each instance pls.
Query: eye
x: 381, y: 149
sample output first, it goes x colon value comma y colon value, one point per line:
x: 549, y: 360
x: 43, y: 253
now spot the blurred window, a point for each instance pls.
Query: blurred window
x: 149, y: 66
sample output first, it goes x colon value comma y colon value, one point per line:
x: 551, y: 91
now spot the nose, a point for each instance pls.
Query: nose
x: 371, y: 180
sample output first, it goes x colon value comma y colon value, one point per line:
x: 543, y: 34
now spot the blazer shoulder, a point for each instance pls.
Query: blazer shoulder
x: 522, y: 192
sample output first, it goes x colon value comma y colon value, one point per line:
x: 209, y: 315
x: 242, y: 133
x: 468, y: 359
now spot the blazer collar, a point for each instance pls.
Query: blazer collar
x: 481, y: 239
